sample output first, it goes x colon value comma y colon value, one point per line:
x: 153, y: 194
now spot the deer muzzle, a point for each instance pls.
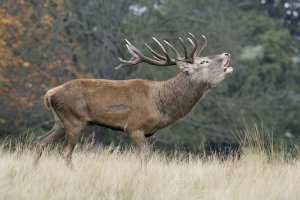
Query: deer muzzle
x: 227, y: 69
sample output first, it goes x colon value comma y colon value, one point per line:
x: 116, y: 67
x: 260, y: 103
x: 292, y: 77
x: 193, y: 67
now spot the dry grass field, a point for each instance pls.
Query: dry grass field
x: 113, y: 174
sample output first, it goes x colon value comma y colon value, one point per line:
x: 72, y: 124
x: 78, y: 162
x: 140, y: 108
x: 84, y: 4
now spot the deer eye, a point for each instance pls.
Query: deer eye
x: 204, y: 61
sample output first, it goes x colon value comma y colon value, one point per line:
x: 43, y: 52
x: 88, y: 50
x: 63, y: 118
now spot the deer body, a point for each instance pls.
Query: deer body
x: 137, y: 107
x: 127, y: 105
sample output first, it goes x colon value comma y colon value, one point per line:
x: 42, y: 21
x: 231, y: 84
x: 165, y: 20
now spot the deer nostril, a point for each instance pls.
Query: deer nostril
x: 227, y: 54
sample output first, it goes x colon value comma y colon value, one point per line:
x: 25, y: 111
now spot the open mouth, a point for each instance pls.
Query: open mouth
x: 227, y: 68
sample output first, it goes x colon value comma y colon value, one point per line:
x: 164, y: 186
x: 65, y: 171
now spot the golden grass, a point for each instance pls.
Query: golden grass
x: 111, y: 174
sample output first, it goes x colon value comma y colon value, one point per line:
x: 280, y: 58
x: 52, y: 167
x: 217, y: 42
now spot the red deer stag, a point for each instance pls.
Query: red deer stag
x: 137, y: 107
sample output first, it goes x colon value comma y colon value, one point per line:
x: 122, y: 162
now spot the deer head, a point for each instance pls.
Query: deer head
x: 211, y: 69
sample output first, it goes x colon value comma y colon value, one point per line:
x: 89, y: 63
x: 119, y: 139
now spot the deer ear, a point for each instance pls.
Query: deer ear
x: 184, y: 67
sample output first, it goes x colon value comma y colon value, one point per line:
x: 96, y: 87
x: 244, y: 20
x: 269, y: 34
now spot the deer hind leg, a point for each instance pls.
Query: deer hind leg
x: 73, y: 133
x: 43, y: 141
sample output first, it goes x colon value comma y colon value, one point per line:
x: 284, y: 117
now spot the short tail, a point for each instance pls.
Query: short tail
x: 47, y: 101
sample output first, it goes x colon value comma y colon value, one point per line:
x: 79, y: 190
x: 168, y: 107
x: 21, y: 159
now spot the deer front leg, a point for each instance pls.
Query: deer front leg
x: 140, y: 140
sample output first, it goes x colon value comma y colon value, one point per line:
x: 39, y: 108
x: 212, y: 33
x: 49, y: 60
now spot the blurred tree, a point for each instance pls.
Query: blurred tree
x: 99, y: 27
x: 33, y: 56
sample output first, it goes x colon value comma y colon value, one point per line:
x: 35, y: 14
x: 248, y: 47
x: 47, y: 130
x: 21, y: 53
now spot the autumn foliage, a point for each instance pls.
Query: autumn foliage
x: 34, y: 56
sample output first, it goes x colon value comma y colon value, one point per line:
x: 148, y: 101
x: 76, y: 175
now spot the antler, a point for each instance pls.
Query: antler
x: 138, y: 56
x: 203, y: 47
x: 189, y: 58
x: 161, y: 60
x: 193, y: 41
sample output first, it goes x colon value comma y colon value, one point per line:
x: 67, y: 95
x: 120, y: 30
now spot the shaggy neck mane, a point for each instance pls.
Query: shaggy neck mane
x: 178, y: 95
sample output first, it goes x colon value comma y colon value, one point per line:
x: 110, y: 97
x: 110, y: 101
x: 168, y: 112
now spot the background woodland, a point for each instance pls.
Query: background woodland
x: 46, y: 43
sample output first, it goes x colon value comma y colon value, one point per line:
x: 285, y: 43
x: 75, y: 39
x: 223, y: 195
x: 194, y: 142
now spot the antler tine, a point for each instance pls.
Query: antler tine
x: 184, y: 47
x: 138, y: 56
x: 193, y: 41
x: 156, y: 55
x: 135, y: 58
x: 159, y: 59
x: 130, y: 49
x: 173, y: 48
x: 129, y: 45
x: 123, y: 63
x: 191, y: 56
x: 203, y: 47
x: 163, y: 49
